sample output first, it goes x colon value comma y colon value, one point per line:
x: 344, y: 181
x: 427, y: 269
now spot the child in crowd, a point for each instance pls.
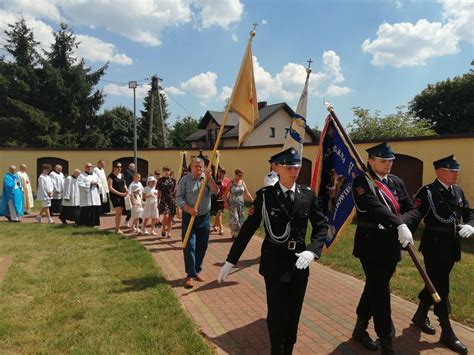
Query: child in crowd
x: 44, y: 193
x: 150, y: 211
x: 136, y: 197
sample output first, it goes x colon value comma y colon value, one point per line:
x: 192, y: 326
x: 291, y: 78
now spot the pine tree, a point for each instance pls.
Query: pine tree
x: 23, y: 124
x: 70, y: 96
x: 21, y: 44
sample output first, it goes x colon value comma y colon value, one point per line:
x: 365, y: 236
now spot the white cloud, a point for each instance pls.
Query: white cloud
x: 43, y: 33
x: 288, y: 83
x: 174, y: 91
x: 332, y: 66
x: 140, y: 21
x: 264, y: 22
x: 123, y: 90
x: 97, y: 50
x: 202, y: 85
x: 234, y: 37
x: 407, y: 44
x: 34, y: 8
x: 334, y: 90
x: 460, y: 15
x: 225, y: 93
x: 220, y: 13
x: 90, y: 47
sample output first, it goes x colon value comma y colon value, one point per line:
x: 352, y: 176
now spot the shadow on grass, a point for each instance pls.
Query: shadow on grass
x: 136, y: 285
x: 89, y: 232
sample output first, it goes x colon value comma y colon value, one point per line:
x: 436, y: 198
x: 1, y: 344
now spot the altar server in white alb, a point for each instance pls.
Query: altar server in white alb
x: 89, y: 199
x: 57, y: 177
x: 44, y: 193
x: 104, y: 187
x: 27, y: 190
x: 70, y: 206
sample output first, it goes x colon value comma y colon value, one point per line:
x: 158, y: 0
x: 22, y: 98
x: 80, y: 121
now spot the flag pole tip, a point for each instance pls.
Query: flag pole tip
x: 328, y: 105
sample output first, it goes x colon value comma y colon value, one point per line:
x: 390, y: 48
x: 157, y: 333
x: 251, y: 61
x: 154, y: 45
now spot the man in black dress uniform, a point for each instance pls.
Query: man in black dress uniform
x: 443, y: 207
x: 384, y: 212
x: 285, y: 209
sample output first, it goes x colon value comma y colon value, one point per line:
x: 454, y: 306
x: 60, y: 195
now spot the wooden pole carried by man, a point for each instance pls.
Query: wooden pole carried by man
x: 243, y: 101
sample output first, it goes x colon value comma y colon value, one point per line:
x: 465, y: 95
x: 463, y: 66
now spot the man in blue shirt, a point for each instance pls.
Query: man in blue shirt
x: 186, y: 196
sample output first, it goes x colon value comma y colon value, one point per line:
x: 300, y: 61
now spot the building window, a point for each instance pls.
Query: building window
x: 272, y: 132
x: 210, y: 137
x: 287, y: 131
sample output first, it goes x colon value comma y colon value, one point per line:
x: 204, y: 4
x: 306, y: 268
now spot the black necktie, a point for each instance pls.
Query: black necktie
x: 289, y: 199
x: 451, y: 190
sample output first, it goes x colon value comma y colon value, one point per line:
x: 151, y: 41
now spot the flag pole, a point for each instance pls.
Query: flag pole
x: 429, y: 285
x: 216, y: 145
x: 180, y: 171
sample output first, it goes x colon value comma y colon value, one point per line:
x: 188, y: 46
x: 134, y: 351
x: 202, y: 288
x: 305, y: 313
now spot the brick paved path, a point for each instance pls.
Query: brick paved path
x: 232, y: 314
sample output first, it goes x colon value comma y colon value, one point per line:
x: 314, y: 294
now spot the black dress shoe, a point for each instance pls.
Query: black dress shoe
x: 424, y: 325
x: 364, y: 338
x: 453, y: 343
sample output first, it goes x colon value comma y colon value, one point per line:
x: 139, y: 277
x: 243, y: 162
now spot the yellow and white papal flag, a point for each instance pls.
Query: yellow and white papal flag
x: 295, y: 136
x: 244, y: 96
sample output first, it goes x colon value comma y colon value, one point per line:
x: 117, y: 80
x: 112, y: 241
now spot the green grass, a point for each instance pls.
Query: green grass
x: 407, y: 282
x: 81, y: 290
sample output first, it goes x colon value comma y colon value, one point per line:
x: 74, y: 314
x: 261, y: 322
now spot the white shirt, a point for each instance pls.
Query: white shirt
x: 71, y: 192
x: 58, y: 184
x: 444, y: 185
x: 136, y: 191
x: 88, y: 190
x: 45, y: 186
x: 104, y: 187
x: 284, y: 189
x: 270, y: 179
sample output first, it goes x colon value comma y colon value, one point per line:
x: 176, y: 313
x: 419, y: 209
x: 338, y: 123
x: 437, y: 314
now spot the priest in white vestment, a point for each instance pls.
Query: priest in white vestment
x: 27, y: 189
x: 89, y: 198
x: 58, y: 183
x: 104, y: 187
x: 70, y: 206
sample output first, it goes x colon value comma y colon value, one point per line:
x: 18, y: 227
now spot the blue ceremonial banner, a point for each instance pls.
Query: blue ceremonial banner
x: 332, y: 179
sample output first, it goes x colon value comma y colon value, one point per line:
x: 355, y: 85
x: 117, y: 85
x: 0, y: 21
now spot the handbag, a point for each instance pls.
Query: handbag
x: 128, y: 203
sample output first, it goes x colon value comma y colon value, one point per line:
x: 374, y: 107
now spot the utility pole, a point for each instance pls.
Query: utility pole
x: 163, y: 133
x: 154, y: 86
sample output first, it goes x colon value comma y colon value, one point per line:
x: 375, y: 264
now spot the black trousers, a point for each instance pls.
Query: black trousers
x: 438, y: 271
x: 70, y: 213
x: 55, y: 205
x: 375, y: 299
x: 89, y: 216
x: 284, y: 302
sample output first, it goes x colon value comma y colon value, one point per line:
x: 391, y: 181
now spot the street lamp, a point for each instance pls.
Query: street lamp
x: 133, y: 85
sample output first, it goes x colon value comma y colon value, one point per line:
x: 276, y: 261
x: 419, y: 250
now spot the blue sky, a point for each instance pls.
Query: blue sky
x: 374, y: 54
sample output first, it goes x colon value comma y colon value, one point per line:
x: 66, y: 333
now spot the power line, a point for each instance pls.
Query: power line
x: 167, y: 93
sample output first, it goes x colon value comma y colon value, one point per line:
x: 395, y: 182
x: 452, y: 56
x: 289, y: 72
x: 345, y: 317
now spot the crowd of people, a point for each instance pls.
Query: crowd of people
x: 387, y: 219
x: 84, y: 196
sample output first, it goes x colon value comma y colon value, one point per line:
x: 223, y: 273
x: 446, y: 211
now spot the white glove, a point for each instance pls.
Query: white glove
x: 224, y: 271
x: 466, y: 230
x: 304, y: 258
x: 404, y: 235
